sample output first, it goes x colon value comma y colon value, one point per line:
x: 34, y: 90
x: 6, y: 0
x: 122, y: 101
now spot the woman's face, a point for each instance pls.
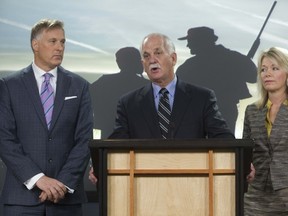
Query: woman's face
x: 273, y: 77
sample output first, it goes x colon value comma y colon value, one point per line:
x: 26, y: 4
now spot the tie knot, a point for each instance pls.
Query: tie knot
x: 47, y: 76
x: 164, y: 91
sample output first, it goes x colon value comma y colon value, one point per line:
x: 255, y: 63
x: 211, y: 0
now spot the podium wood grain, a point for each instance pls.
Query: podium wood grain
x: 165, y: 183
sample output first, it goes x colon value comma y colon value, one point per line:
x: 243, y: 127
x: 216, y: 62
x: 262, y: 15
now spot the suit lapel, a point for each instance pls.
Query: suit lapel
x: 178, y: 111
x: 280, y: 122
x: 33, y: 91
x: 261, y: 122
x: 146, y: 98
x: 63, y: 84
x: 179, y: 107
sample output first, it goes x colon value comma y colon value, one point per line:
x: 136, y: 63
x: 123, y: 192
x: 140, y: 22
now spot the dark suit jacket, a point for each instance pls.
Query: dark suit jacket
x: 195, y: 114
x: 270, y: 154
x: 27, y: 147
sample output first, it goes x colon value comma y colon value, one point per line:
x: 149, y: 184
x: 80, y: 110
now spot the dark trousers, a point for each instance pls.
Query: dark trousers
x: 43, y: 210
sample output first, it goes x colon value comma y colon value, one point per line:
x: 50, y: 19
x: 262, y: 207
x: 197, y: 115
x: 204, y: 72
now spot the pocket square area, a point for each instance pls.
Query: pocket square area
x: 70, y: 97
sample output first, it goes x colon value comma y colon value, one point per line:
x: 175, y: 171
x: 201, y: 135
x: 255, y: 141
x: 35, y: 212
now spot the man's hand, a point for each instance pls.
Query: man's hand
x: 92, y: 177
x: 250, y: 177
x: 52, y: 189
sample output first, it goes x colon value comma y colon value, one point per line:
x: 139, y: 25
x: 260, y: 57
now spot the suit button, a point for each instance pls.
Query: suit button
x: 50, y: 160
x: 49, y: 139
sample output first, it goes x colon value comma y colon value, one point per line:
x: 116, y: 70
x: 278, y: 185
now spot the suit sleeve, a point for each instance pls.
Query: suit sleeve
x: 246, y: 127
x: 216, y: 125
x: 11, y: 149
x: 73, y: 170
x: 121, y: 127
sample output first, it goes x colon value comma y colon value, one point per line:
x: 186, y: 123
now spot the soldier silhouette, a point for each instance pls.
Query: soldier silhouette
x: 106, y: 91
x: 223, y: 70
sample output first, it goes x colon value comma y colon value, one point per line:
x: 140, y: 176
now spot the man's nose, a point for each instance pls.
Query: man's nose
x: 152, y: 59
x: 60, y: 46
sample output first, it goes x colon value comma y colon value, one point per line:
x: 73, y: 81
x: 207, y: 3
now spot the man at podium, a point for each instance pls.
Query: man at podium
x: 167, y: 107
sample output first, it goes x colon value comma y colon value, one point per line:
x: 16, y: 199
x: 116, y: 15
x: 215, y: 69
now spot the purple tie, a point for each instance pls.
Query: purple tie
x: 47, y: 98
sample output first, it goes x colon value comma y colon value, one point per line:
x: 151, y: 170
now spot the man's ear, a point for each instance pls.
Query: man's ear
x: 174, y: 58
x: 35, y: 45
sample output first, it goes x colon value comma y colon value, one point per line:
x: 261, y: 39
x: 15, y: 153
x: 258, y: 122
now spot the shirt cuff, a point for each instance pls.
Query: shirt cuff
x: 70, y: 190
x: 30, y: 183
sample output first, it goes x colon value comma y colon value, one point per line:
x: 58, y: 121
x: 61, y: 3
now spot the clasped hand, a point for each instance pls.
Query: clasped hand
x: 52, y: 189
x: 250, y: 177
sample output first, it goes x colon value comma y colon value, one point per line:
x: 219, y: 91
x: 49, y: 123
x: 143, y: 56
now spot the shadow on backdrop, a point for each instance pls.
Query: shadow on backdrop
x: 106, y: 91
x: 223, y: 70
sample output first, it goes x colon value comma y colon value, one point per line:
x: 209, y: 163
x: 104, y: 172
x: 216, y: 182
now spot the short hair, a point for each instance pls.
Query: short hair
x: 168, y: 44
x: 44, y: 24
x: 277, y: 54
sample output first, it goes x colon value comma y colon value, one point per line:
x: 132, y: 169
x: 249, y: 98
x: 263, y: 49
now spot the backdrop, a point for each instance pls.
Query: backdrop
x: 96, y: 30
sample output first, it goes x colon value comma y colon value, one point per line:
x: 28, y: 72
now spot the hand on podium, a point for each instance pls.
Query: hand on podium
x: 92, y: 177
x: 250, y: 177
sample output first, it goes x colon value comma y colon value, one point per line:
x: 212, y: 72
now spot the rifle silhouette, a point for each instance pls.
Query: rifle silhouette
x: 256, y: 43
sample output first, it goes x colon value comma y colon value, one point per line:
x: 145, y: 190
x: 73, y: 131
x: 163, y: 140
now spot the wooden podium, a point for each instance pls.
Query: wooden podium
x: 201, y: 177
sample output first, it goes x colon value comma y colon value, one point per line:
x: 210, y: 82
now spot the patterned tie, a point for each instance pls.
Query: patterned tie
x: 47, y: 98
x: 164, y: 112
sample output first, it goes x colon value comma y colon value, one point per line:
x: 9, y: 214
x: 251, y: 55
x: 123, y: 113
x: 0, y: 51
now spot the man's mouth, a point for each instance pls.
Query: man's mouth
x: 154, y: 67
x: 57, y: 56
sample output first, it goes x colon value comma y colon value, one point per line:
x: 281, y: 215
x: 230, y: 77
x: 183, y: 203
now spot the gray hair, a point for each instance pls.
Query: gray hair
x: 168, y: 44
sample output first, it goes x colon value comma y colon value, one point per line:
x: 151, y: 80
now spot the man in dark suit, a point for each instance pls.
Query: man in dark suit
x: 46, y: 159
x: 194, y: 111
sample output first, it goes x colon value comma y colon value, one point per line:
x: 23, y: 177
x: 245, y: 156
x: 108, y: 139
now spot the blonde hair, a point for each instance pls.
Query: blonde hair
x: 277, y: 54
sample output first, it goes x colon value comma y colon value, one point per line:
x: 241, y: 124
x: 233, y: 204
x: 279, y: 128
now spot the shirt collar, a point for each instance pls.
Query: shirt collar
x: 39, y: 72
x: 269, y: 103
x: 170, y: 87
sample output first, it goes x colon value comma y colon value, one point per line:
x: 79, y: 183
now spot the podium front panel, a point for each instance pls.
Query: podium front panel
x: 163, y: 183
x: 201, y: 177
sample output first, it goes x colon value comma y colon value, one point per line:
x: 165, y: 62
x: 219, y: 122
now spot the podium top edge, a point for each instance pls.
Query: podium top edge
x: 213, y: 143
